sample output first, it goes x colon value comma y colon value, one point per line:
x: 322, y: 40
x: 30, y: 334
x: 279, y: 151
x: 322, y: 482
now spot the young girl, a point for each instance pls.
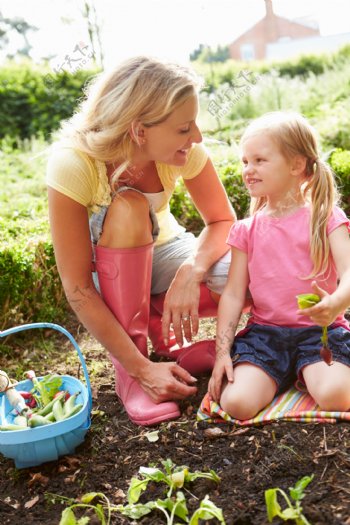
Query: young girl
x: 296, y: 241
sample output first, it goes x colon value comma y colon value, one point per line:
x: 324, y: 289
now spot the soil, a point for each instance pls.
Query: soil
x: 248, y: 460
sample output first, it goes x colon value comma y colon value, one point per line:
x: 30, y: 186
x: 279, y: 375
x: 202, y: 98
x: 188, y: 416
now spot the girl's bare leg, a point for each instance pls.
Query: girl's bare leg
x: 329, y: 385
x: 252, y: 389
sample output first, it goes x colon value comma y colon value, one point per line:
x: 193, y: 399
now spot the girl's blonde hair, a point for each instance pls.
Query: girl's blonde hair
x: 141, y: 89
x: 294, y: 136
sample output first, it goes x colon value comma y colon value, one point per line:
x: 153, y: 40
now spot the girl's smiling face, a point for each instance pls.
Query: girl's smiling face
x: 170, y: 141
x: 266, y: 172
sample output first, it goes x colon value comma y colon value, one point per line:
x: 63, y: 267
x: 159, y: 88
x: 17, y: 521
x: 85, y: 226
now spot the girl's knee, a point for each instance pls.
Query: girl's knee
x: 333, y: 398
x: 238, y: 406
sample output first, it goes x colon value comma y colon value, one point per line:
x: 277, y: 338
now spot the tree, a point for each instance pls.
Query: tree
x: 94, y: 30
x: 207, y: 54
x: 19, y: 25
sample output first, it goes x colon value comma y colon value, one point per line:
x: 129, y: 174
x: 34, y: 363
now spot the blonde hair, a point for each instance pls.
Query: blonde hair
x: 294, y: 136
x: 140, y: 89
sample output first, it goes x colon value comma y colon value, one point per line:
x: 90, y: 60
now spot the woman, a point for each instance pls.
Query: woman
x: 115, y: 167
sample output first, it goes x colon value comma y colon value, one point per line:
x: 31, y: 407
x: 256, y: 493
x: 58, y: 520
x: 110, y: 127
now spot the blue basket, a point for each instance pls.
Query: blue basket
x: 35, y: 446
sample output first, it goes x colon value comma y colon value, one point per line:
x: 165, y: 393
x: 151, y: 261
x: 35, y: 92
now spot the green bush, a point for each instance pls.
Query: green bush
x: 30, y: 288
x: 184, y: 210
x: 33, y: 101
x: 303, y: 66
x: 340, y: 163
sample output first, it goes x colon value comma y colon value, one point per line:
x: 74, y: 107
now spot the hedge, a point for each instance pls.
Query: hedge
x: 33, y: 101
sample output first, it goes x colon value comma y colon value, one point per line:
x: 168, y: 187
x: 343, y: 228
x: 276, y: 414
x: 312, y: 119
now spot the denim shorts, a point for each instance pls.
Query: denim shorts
x: 283, y: 352
x: 167, y: 257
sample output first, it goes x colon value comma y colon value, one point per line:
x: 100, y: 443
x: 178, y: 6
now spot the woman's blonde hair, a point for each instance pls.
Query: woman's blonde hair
x: 295, y: 136
x: 140, y: 89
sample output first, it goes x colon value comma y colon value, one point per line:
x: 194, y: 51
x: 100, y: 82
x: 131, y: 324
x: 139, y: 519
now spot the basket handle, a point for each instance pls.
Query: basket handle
x: 67, y: 334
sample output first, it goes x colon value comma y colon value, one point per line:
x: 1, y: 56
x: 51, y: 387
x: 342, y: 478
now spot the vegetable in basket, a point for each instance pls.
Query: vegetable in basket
x: 52, y: 404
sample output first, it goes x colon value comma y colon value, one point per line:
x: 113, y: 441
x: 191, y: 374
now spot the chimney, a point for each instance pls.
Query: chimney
x: 271, y: 30
x: 269, y: 9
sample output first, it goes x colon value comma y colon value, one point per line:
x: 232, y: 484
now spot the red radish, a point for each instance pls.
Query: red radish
x: 326, y: 354
x: 66, y: 396
x: 32, y: 403
x: 25, y: 394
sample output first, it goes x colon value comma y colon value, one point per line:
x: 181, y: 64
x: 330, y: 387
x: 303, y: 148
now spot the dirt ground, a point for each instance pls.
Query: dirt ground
x: 248, y: 460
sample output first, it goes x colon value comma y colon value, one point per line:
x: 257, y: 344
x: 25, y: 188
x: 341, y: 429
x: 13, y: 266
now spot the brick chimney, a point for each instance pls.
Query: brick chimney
x: 270, y: 22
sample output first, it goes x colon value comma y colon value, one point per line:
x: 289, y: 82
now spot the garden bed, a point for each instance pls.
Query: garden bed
x: 248, y: 460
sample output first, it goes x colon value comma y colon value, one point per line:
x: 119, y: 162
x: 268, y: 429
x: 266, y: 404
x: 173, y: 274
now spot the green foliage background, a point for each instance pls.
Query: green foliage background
x: 33, y: 102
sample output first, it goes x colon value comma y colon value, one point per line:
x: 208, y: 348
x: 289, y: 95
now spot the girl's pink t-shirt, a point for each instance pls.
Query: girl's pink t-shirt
x: 278, y: 251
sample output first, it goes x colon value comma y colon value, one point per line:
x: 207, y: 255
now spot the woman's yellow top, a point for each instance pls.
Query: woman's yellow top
x: 84, y: 180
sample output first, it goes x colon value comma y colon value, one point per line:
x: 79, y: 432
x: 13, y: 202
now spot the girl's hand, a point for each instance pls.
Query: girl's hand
x: 181, y: 306
x: 323, y: 313
x: 166, y: 381
x: 223, y: 368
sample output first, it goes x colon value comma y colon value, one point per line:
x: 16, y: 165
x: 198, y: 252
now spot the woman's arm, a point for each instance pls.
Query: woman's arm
x: 73, y: 252
x: 230, y: 308
x: 331, y: 305
x: 210, y: 199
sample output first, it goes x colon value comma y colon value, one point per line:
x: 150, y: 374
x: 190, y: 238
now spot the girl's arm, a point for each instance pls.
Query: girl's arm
x: 229, y: 313
x: 210, y: 199
x: 331, y: 305
x: 73, y: 252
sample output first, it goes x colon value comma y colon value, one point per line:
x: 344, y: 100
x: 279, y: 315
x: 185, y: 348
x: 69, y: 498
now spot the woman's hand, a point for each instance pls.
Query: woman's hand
x: 223, y: 369
x: 181, y: 305
x: 166, y: 381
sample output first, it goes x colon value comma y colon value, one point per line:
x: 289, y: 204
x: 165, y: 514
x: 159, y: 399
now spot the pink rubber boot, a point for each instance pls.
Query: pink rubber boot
x: 196, y: 358
x: 124, y: 276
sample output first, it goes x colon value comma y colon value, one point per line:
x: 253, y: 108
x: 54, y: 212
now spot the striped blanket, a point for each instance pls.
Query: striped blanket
x: 292, y: 405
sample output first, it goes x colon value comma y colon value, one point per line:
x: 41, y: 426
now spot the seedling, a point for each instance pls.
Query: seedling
x: 175, y: 477
x: 306, y: 300
x: 294, y: 510
x: 173, y: 506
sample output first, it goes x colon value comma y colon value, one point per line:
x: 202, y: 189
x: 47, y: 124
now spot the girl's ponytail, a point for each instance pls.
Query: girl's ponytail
x: 321, y: 190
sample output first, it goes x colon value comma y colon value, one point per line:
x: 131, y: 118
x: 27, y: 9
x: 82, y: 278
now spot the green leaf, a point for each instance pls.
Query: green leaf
x: 154, y: 474
x: 290, y: 513
x: 168, y: 465
x: 68, y: 518
x: 306, y: 300
x: 152, y: 436
x: 89, y: 496
x: 47, y: 387
x: 192, y: 476
x: 177, y: 507
x: 83, y: 520
x: 137, y: 511
x: 136, y: 487
x: 297, y: 492
x: 272, y: 506
x: 206, y: 511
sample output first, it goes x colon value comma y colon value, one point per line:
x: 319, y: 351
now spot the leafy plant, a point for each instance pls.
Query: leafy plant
x: 294, y: 510
x: 172, y: 506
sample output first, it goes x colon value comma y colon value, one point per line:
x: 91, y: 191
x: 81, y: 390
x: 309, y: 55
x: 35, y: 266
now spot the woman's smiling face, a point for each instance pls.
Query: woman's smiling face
x: 170, y: 141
